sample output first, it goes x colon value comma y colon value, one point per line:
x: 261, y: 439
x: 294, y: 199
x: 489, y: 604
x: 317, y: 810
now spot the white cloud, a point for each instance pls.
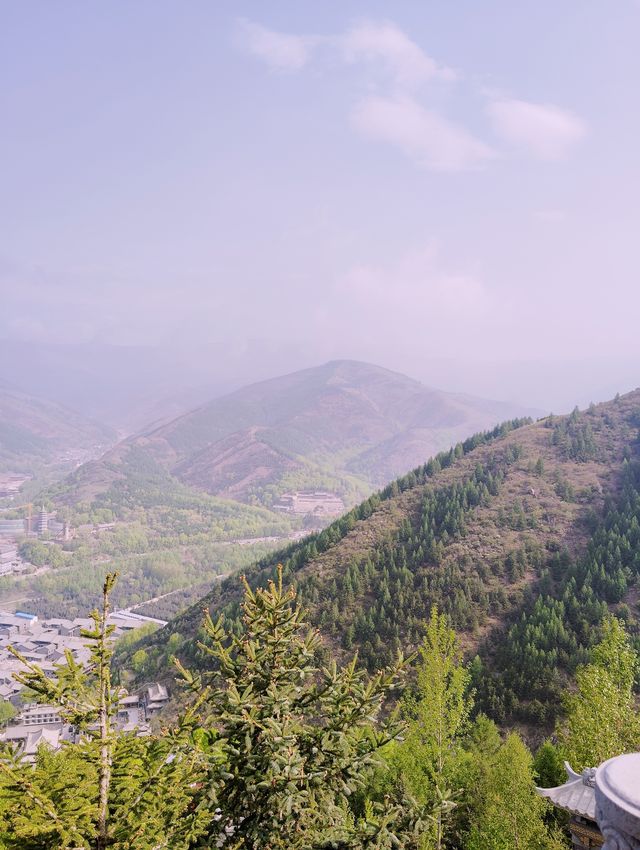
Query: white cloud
x: 415, y: 300
x: 551, y: 216
x: 396, y: 66
x: 401, y: 57
x: 428, y: 138
x: 546, y: 131
x: 282, y: 51
x: 421, y: 304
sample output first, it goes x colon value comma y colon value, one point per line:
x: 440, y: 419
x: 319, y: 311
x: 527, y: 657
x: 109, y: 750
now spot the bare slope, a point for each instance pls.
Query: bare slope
x: 346, y: 426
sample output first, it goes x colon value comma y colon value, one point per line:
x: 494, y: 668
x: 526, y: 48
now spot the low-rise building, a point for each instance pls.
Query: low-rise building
x: 46, y: 644
x: 155, y: 698
x: 604, y: 804
x: 38, y: 714
x: 577, y: 797
x: 13, y: 527
x: 28, y: 738
x: 8, y: 552
x: 317, y: 503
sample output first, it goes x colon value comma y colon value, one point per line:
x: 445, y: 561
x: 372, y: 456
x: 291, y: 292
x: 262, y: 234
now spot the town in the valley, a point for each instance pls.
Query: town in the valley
x: 46, y: 643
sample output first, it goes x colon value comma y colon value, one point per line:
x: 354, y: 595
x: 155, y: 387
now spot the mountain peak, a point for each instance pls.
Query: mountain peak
x: 346, y: 425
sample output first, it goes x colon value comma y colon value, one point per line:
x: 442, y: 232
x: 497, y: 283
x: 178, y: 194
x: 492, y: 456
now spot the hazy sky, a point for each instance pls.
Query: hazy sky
x: 408, y: 183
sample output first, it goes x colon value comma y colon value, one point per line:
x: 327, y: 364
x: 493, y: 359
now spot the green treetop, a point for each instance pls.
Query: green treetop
x: 437, y: 714
x: 296, y: 740
x: 111, y: 790
x: 509, y: 813
x: 601, y: 716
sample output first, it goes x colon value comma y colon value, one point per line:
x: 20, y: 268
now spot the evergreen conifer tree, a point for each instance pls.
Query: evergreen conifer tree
x: 296, y: 740
x: 270, y: 753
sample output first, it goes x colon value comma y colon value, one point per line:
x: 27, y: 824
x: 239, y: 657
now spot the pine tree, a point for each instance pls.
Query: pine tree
x: 296, y: 741
x: 548, y: 767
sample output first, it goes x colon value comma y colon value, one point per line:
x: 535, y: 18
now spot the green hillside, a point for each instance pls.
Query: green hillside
x: 179, y: 492
x: 524, y: 536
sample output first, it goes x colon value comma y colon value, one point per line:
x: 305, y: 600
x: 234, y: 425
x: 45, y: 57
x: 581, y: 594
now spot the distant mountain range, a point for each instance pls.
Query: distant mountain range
x: 345, y: 426
x: 35, y: 432
x: 129, y: 386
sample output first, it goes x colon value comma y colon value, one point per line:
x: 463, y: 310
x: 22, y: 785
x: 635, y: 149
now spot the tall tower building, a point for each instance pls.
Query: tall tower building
x: 42, y: 522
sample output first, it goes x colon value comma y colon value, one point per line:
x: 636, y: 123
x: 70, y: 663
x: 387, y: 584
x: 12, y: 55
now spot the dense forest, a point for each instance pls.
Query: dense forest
x: 212, y: 476
x: 525, y: 537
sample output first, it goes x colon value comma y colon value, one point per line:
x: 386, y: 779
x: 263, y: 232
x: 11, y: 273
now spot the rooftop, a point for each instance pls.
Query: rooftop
x: 577, y: 795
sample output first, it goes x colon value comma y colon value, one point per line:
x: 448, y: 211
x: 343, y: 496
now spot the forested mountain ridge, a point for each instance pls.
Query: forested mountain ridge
x: 346, y: 426
x: 523, y: 536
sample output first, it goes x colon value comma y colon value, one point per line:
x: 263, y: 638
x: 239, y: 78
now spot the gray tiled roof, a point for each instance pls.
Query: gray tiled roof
x: 577, y: 795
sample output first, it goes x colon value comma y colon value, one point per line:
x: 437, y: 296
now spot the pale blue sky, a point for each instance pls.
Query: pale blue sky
x: 414, y: 183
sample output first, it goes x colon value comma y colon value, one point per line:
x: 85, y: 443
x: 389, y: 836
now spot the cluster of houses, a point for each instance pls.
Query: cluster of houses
x: 37, y: 724
x: 13, y: 531
x: 45, y: 643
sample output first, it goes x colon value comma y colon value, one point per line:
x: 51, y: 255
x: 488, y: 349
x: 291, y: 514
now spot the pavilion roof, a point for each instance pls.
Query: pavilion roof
x: 577, y: 795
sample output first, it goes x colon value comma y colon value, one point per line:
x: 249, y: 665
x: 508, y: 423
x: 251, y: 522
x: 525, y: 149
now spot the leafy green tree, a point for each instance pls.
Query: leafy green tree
x: 437, y: 714
x: 601, y: 717
x: 548, y: 766
x: 7, y: 711
x: 139, y: 660
x: 129, y: 640
x: 110, y: 790
x: 269, y: 754
x: 509, y: 813
x: 296, y: 740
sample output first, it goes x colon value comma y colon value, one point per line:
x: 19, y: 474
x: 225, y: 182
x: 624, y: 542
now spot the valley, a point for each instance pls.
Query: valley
x: 215, y: 489
x: 520, y: 541
x: 347, y: 427
x: 524, y: 536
